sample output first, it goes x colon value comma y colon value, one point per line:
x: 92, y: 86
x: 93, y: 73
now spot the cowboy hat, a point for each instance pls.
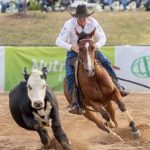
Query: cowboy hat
x: 82, y: 11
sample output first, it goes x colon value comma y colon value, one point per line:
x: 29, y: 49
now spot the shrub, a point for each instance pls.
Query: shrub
x: 33, y: 5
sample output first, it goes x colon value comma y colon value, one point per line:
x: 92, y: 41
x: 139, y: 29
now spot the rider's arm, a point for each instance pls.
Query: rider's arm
x: 62, y: 39
x: 100, y: 35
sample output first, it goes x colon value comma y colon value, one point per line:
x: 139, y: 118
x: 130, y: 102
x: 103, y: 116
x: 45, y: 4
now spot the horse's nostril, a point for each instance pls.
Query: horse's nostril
x: 87, y: 70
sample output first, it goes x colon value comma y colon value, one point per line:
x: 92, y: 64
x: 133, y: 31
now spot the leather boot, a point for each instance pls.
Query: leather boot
x: 75, y: 107
x: 122, y: 90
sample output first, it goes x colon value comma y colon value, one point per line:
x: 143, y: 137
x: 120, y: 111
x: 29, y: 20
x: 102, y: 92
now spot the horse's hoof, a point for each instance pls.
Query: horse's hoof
x: 109, y: 124
x: 69, y: 142
x: 114, y: 135
x: 136, y: 134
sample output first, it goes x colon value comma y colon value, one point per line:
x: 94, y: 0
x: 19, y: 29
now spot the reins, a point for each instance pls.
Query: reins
x: 140, y: 84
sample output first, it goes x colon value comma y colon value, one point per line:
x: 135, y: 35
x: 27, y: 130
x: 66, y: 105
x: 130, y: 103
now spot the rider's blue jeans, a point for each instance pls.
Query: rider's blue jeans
x: 70, y: 69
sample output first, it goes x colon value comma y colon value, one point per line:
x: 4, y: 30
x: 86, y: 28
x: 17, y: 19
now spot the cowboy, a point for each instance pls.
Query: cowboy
x: 67, y: 38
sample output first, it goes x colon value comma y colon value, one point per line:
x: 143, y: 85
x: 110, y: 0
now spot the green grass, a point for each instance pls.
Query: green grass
x: 38, y: 28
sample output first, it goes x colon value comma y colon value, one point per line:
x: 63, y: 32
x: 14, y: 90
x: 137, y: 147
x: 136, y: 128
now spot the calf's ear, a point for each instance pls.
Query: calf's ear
x: 25, y: 74
x: 45, y: 72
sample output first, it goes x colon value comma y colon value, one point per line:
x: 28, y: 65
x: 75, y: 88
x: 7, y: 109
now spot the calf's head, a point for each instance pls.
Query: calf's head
x: 36, y: 87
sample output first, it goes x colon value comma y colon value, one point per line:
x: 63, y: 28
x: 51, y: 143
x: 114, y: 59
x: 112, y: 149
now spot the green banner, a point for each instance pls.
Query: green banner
x: 17, y: 58
x: 109, y: 53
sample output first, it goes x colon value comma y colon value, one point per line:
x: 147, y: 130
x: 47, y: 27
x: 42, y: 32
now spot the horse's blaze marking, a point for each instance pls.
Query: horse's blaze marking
x: 89, y: 63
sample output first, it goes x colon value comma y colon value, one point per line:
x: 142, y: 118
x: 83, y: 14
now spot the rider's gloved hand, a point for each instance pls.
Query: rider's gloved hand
x: 75, y: 49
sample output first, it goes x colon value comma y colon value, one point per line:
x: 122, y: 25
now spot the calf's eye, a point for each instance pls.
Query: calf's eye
x: 29, y: 87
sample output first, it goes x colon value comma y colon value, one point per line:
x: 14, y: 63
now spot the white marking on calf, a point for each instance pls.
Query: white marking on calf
x: 40, y: 113
x: 37, y: 88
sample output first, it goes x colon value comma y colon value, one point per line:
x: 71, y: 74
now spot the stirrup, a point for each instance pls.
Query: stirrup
x: 76, y: 109
x: 123, y: 92
x: 121, y: 89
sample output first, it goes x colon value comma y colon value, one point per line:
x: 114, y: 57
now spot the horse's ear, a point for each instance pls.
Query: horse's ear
x: 45, y: 72
x: 77, y: 33
x: 92, y: 33
x: 25, y: 74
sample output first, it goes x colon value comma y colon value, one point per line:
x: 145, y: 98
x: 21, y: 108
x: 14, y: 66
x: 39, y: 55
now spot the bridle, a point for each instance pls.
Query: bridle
x: 79, y: 57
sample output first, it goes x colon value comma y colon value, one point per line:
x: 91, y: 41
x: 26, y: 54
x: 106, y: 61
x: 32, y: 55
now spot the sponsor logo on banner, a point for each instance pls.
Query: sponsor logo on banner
x: 141, y: 67
x: 55, y: 66
x: 134, y: 62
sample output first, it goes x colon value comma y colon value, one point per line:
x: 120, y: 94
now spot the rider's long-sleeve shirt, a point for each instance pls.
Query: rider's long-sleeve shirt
x: 68, y: 38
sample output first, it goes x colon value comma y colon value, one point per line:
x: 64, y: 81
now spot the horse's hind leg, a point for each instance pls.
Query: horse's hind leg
x: 92, y: 117
x: 122, y: 107
x: 110, y: 109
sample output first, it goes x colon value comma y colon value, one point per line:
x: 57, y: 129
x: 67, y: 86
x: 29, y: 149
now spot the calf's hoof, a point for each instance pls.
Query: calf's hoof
x: 46, y: 147
x: 65, y: 146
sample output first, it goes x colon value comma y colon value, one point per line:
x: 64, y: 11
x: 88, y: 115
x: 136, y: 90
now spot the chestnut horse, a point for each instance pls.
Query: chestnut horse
x: 98, y: 89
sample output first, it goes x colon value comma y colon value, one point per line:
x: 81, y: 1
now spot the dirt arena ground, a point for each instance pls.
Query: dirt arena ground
x: 83, y: 134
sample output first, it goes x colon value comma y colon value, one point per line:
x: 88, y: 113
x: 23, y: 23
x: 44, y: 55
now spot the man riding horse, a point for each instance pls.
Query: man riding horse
x: 67, y: 38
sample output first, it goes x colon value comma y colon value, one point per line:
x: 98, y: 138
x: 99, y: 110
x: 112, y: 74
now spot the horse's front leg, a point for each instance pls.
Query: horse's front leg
x: 99, y: 108
x: 110, y: 109
x: 92, y: 117
x: 135, y: 131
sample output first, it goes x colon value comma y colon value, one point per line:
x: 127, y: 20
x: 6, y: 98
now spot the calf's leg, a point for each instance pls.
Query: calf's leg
x: 44, y: 137
x: 58, y: 131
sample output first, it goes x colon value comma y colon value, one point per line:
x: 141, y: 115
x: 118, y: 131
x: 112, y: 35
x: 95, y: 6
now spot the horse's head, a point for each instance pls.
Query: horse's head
x: 36, y: 87
x: 87, y: 51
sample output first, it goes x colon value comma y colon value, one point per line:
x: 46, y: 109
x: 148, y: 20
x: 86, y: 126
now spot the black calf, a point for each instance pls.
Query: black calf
x: 22, y: 113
